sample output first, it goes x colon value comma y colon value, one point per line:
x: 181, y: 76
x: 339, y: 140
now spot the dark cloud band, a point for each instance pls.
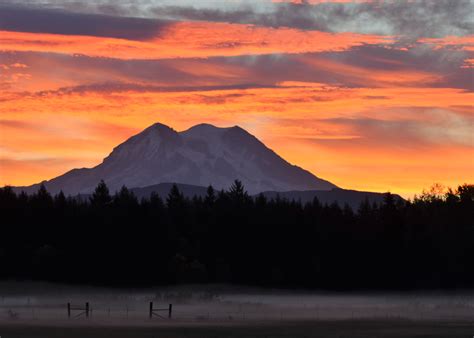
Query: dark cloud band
x: 409, y: 20
x: 22, y: 19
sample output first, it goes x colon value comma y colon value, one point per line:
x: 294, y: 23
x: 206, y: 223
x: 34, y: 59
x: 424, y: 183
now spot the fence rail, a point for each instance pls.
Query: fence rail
x: 144, y: 310
x: 154, y: 312
x: 84, y: 310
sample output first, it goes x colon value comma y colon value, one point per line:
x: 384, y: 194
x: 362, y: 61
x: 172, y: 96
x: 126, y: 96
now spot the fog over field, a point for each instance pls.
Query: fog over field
x: 47, y: 304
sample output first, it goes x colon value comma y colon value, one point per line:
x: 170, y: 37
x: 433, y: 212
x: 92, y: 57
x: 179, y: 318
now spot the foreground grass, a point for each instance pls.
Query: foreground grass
x: 326, y: 329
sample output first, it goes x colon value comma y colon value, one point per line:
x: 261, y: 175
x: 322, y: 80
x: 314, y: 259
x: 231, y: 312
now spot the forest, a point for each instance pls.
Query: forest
x: 230, y: 237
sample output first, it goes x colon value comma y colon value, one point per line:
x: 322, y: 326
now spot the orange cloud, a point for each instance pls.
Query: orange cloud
x: 192, y: 39
x: 339, y: 133
x: 18, y: 65
x: 454, y: 42
x: 374, y: 77
x: 468, y: 63
x: 19, y: 172
x: 398, y: 169
x: 34, y: 149
x: 374, y: 128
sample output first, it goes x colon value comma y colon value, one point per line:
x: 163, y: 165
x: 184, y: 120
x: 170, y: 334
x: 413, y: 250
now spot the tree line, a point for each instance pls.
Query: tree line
x: 230, y: 237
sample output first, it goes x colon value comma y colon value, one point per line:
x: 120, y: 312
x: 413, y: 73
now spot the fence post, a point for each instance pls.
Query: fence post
x: 87, y: 309
x: 69, y: 310
x: 151, y: 309
x: 169, y: 310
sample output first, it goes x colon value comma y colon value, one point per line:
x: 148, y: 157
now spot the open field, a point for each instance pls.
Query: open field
x: 39, y: 310
x: 327, y: 329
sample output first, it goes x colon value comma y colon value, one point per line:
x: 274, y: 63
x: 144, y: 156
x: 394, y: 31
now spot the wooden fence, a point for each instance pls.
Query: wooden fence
x: 154, y: 312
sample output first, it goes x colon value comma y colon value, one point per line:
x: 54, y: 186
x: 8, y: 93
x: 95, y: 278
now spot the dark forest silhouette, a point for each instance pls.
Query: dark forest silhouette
x: 228, y: 236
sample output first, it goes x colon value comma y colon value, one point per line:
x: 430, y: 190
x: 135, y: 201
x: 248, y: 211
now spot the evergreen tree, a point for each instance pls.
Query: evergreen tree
x: 260, y: 201
x: 42, y: 199
x: 23, y: 198
x: 466, y: 193
x: 237, y: 192
x: 60, y: 200
x: 8, y: 197
x: 425, y: 243
x: 101, y: 196
x: 175, y: 199
x: 125, y: 198
x: 156, y: 202
x: 210, y: 198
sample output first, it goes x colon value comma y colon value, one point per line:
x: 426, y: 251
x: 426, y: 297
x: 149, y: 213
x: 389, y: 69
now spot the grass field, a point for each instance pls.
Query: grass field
x: 38, y: 310
x: 326, y: 329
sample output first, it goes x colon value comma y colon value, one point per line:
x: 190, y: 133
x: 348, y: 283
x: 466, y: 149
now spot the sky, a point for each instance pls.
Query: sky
x: 370, y: 95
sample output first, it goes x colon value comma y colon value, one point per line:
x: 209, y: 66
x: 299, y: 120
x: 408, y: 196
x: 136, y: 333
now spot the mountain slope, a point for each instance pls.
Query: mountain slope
x: 352, y: 198
x: 202, y: 155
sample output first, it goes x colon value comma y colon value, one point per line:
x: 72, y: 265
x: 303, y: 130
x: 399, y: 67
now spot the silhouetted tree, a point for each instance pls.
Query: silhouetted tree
x: 237, y: 193
x: 8, y: 197
x: 231, y: 237
x: 175, y: 199
x: 156, y: 202
x: 466, y: 193
x: 125, y: 198
x: 260, y: 201
x: 210, y: 198
x: 101, y: 196
x: 60, y: 200
x: 42, y: 199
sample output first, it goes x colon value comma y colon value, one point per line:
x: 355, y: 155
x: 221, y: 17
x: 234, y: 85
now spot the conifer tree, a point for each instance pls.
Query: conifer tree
x: 175, y: 199
x: 210, y: 197
x: 237, y: 192
x: 101, y: 196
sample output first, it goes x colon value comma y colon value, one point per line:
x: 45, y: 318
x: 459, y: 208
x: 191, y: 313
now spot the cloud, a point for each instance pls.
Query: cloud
x: 22, y: 19
x: 336, y: 131
x: 15, y: 124
x: 399, y: 148
x: 301, y: 76
x: 18, y: 65
x: 364, y: 66
x: 46, y: 146
x: 358, y: 76
x: 26, y: 170
x: 387, y: 126
x: 452, y: 42
x: 186, y: 39
x: 468, y: 63
x: 233, y: 31
x: 436, y: 128
x: 115, y: 87
x: 409, y: 20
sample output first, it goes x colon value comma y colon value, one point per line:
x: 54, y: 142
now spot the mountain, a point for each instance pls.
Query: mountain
x: 163, y: 189
x: 352, y: 198
x: 202, y: 155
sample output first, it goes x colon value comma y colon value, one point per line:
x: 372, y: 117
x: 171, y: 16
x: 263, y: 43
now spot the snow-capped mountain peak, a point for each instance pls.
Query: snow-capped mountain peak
x: 201, y: 155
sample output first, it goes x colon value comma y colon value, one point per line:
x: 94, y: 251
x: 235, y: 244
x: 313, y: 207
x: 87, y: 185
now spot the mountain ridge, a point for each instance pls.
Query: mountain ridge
x: 352, y: 198
x: 200, y: 155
